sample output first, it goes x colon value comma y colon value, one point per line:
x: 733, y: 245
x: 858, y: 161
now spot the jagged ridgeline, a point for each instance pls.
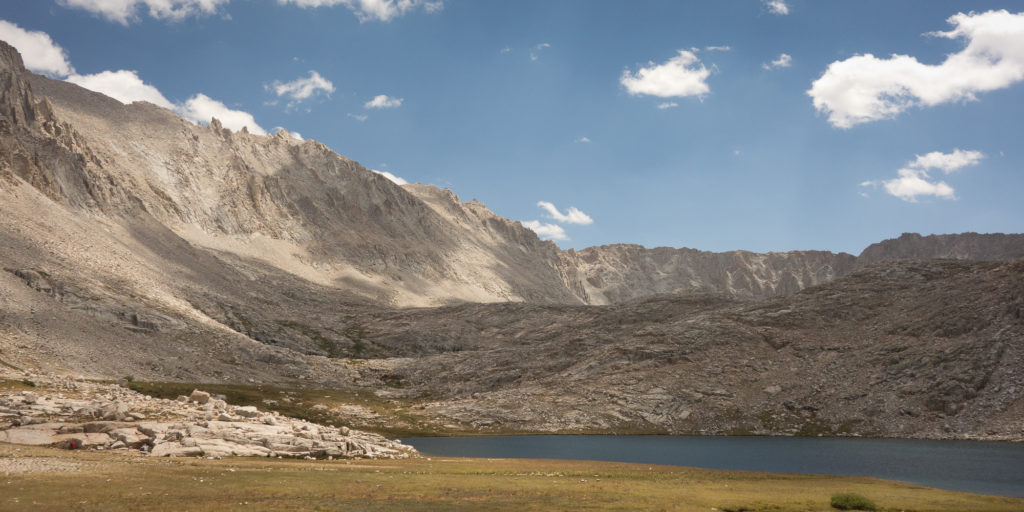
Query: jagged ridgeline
x: 135, y: 242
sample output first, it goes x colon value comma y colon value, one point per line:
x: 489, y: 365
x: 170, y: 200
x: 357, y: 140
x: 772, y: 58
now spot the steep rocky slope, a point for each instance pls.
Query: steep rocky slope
x: 135, y: 243
x: 614, y: 274
x: 299, y: 208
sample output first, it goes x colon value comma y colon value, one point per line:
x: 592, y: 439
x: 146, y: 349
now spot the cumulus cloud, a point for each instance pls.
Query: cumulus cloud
x: 718, y: 48
x: 784, y: 61
x: 303, y: 88
x: 573, y: 216
x: 947, y: 162
x: 392, y: 177
x: 373, y: 10
x: 582, y: 139
x: 913, y: 180
x: 383, y: 101
x: 127, y: 11
x: 358, y: 117
x: 912, y: 183
x: 42, y: 55
x: 126, y: 87
x: 202, y: 108
x: 680, y: 76
x: 546, y: 231
x: 865, y: 88
x: 39, y: 52
x: 667, y: 105
x: 122, y: 85
x: 777, y: 7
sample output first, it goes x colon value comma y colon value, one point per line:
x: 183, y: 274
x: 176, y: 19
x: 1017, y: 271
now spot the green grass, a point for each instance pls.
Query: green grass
x: 850, y: 501
x: 13, y: 386
x: 116, y: 481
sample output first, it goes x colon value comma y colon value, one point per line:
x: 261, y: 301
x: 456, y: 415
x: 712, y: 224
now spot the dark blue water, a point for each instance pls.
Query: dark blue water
x: 972, y: 466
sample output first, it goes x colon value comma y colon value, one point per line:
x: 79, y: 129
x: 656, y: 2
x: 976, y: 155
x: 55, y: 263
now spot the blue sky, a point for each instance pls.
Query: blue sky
x: 518, y: 102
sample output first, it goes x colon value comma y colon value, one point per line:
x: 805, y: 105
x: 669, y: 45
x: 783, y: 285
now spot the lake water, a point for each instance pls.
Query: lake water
x: 974, y: 466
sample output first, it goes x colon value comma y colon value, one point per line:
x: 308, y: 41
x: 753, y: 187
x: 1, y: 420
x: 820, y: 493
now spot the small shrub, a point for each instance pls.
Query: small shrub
x: 28, y: 383
x: 129, y: 378
x: 850, y: 501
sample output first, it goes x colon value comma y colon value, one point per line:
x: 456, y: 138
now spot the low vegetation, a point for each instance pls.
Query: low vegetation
x: 389, y: 417
x: 850, y: 501
x: 110, y: 481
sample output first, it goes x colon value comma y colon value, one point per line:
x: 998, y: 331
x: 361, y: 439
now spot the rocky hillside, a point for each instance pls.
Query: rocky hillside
x: 911, y: 348
x: 296, y: 206
x: 965, y: 246
x: 135, y: 243
x: 302, y: 209
x: 614, y: 274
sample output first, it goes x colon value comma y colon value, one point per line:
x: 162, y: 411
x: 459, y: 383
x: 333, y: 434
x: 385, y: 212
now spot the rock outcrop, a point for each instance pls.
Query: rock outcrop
x: 615, y: 274
x: 964, y: 246
x: 77, y: 414
x: 906, y: 348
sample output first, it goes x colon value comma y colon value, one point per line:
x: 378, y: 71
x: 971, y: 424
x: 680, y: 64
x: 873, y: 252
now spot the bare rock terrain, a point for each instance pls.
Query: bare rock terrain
x: 78, y: 414
x: 912, y: 348
x: 133, y: 242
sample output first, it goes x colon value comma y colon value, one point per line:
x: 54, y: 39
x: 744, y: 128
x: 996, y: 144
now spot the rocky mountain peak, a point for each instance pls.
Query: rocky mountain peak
x: 16, y: 105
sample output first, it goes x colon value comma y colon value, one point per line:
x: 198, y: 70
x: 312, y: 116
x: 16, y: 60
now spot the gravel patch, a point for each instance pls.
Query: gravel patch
x: 16, y: 465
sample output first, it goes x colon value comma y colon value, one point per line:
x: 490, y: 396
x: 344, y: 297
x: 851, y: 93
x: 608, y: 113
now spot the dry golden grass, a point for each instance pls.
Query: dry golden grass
x: 116, y: 481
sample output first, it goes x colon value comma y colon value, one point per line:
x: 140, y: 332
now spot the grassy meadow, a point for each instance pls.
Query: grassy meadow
x: 120, y: 481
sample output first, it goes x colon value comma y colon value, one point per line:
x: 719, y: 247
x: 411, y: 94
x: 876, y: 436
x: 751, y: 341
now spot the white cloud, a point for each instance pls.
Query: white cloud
x: 667, y: 105
x: 126, y: 86
x: 38, y: 51
x: 546, y: 231
x: 392, y: 177
x: 303, y: 88
x: 718, y: 48
x: 865, y: 88
x: 535, y: 53
x: 358, y: 117
x: 947, y: 162
x: 784, y: 61
x: 201, y: 108
x: 122, y: 85
x: 778, y: 7
x: 506, y: 50
x: 912, y: 183
x: 913, y: 180
x: 574, y: 215
x: 126, y: 11
x: 373, y: 10
x: 582, y: 139
x: 680, y: 76
x: 383, y: 101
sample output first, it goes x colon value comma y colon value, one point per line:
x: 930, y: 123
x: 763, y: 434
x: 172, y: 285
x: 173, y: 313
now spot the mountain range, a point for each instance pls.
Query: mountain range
x: 134, y: 242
